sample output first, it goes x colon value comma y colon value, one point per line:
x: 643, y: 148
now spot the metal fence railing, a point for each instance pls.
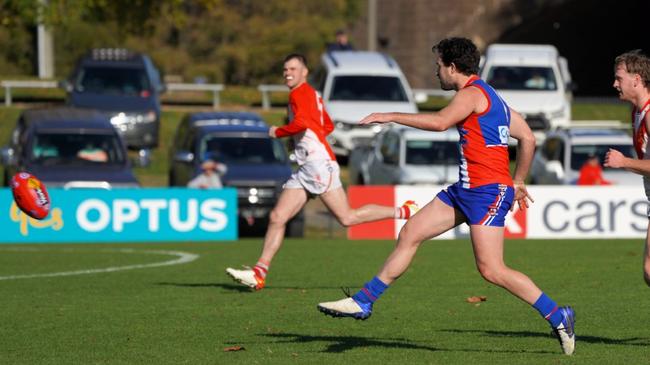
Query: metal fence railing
x: 215, y: 88
x: 25, y: 84
x: 266, y: 90
x: 8, y: 85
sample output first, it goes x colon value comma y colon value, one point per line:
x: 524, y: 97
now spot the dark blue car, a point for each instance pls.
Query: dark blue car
x: 256, y: 164
x: 68, y: 148
x: 124, y: 84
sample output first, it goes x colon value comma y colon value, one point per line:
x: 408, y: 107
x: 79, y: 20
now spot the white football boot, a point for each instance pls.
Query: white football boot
x: 246, y: 277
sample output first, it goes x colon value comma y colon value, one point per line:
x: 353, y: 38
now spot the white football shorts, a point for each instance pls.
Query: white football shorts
x: 317, y: 177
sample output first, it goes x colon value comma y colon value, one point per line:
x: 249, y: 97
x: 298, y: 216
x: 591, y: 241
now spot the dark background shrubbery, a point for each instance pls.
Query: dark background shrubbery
x: 223, y: 41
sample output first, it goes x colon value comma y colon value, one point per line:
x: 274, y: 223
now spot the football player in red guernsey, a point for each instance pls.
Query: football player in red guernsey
x: 317, y: 174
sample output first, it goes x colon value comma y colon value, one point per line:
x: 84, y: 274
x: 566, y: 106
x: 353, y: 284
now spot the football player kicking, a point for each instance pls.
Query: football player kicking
x: 317, y: 174
x: 482, y: 196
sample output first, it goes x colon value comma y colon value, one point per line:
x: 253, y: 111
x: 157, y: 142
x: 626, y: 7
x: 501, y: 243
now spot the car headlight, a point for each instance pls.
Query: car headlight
x: 124, y: 118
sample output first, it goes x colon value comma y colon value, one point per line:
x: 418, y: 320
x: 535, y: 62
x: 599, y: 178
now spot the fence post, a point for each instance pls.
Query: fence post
x: 215, y: 98
x: 266, y: 102
x: 7, y: 95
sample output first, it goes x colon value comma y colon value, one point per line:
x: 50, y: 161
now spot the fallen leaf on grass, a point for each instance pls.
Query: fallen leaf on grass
x: 234, y: 348
x: 478, y: 299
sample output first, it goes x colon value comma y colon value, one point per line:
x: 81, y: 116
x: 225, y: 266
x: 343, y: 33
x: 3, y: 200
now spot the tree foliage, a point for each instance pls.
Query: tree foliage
x: 229, y: 41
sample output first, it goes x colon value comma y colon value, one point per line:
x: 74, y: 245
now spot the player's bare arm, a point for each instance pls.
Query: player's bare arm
x: 615, y: 159
x: 520, y: 131
x: 463, y: 104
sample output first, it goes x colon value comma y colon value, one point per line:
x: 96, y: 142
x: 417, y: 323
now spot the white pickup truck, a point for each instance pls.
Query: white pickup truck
x: 532, y: 79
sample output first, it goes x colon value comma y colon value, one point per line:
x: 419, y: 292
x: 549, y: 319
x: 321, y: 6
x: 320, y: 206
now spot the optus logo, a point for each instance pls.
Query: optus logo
x: 55, y: 220
x: 94, y: 215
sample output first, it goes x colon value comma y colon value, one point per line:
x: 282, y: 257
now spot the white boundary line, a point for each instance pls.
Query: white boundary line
x: 183, y: 258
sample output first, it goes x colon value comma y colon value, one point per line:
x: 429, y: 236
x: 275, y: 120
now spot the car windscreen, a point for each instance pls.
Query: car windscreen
x: 76, y: 149
x: 522, y: 78
x: 113, y: 80
x: 432, y: 152
x: 580, y: 153
x: 367, y: 88
x: 242, y: 149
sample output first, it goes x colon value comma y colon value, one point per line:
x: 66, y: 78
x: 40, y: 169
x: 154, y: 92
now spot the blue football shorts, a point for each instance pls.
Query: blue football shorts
x: 485, y: 205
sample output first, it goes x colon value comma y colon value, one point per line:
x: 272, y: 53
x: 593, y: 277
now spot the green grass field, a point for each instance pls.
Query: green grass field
x: 189, y: 313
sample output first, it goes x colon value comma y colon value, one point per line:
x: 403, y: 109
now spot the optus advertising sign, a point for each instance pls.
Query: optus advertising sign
x: 558, y: 212
x: 151, y: 215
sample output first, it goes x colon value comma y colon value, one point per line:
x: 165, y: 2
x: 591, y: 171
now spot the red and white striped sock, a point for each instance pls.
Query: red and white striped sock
x: 402, y: 212
x: 261, y: 269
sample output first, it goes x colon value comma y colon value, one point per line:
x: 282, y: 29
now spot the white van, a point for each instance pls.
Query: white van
x: 354, y: 84
x: 532, y: 79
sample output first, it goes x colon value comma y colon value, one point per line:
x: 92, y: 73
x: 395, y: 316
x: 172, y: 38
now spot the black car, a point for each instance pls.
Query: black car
x: 124, y: 84
x: 68, y: 148
x: 256, y: 164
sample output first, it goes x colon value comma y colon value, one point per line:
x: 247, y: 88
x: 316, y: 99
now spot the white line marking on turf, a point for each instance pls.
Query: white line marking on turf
x: 183, y: 258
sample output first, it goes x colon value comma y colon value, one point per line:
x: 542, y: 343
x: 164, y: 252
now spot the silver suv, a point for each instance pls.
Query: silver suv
x: 354, y: 84
x: 559, y: 159
x: 403, y: 156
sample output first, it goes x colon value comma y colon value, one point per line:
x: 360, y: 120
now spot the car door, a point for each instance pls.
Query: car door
x: 184, y: 157
x: 553, y: 154
x: 387, y: 169
x: 185, y: 170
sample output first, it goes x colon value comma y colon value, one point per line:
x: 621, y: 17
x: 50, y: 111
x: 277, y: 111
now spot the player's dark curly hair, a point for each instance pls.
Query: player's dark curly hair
x: 462, y: 52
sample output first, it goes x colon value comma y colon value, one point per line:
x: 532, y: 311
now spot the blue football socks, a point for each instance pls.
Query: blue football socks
x: 549, y: 310
x: 370, y: 292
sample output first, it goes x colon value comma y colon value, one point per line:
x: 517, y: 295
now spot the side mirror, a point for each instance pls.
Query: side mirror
x: 162, y: 88
x: 571, y: 86
x: 184, y: 157
x: 8, y: 156
x: 143, y: 159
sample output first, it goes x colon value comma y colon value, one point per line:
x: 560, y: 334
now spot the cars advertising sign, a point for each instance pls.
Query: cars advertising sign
x: 566, y: 212
x: 124, y: 215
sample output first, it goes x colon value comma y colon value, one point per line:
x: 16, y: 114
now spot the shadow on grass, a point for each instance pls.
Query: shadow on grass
x: 230, y: 287
x: 341, y: 344
x: 633, y: 341
x: 242, y: 288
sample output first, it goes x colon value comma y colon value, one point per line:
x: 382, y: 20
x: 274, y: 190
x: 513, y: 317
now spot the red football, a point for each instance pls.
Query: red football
x: 30, y: 195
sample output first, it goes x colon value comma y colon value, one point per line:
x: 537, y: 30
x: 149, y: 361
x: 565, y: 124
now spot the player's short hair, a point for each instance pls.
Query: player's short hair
x: 636, y: 62
x: 462, y: 52
x: 299, y: 56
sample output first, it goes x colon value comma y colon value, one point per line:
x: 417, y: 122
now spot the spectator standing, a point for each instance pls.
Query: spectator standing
x: 591, y: 173
x: 342, y: 42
